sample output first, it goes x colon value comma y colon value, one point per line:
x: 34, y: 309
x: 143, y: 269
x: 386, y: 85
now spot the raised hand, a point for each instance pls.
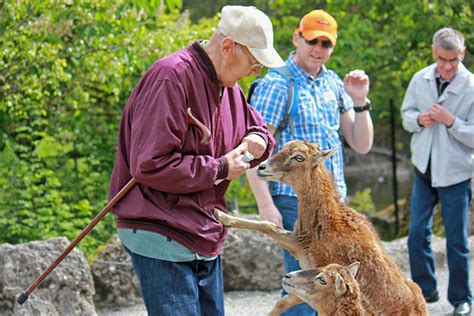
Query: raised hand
x: 356, y: 84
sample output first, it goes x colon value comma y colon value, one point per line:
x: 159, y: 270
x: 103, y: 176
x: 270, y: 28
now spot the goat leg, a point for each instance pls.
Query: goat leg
x: 284, y: 303
x: 282, y: 237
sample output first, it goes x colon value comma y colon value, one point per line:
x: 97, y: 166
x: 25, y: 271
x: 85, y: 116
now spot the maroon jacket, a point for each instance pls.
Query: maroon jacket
x: 176, y: 195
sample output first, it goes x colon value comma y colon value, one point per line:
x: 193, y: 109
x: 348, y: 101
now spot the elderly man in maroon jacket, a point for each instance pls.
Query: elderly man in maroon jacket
x: 183, y: 135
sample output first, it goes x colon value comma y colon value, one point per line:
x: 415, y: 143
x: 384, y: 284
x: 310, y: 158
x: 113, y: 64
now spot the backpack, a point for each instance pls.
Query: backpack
x: 291, y: 107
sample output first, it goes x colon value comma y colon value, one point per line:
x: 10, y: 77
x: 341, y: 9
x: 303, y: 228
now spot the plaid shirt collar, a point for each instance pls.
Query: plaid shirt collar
x: 300, y: 74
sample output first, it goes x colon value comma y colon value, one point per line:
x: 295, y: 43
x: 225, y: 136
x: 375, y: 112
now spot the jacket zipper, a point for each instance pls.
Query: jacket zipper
x: 218, y: 121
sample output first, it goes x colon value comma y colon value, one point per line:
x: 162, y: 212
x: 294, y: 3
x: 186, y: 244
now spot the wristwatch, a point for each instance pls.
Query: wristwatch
x: 366, y: 107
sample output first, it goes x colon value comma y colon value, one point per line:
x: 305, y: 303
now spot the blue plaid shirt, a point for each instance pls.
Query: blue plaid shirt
x: 320, y: 102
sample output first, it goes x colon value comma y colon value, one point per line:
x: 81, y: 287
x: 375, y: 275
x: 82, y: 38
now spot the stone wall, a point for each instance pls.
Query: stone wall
x: 114, y: 278
x: 68, y: 290
x: 251, y: 261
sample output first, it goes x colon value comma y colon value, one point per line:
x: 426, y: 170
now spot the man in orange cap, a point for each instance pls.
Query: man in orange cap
x: 324, y: 104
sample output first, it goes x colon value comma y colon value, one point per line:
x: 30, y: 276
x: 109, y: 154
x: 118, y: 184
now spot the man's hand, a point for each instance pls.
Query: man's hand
x: 441, y: 115
x: 256, y: 145
x: 234, y: 158
x: 356, y: 84
x: 425, y: 119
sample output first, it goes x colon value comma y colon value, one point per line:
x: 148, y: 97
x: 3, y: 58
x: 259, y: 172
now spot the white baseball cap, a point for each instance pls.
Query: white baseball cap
x: 252, y: 28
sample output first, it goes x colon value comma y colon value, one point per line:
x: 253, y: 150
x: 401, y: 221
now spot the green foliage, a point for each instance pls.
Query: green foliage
x: 66, y: 70
x: 362, y: 201
x: 239, y: 196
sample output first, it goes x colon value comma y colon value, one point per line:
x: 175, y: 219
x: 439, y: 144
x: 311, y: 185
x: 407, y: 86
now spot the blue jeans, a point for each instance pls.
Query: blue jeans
x: 180, y: 288
x: 288, y: 207
x: 454, y: 200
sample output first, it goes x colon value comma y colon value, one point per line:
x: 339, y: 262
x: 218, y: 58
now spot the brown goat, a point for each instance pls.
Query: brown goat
x: 328, y: 232
x: 331, y: 290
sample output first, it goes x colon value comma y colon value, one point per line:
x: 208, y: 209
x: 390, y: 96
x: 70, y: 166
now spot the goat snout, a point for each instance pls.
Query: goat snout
x: 264, y: 171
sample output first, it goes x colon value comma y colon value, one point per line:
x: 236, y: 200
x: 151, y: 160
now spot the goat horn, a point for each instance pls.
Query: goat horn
x: 202, y: 129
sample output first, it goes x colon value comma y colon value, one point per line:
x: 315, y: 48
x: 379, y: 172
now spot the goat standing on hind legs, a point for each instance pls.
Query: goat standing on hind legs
x: 327, y: 232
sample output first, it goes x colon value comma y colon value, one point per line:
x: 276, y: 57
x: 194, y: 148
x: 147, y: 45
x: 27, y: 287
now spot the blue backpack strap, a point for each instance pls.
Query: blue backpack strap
x: 252, y: 87
x: 291, y: 107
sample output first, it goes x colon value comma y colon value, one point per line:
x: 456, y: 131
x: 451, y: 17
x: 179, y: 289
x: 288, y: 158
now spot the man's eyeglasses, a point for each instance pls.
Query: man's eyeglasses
x: 443, y: 61
x: 254, y: 64
x: 324, y: 43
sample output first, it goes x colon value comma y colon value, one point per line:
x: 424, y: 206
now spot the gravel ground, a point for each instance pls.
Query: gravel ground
x: 257, y: 303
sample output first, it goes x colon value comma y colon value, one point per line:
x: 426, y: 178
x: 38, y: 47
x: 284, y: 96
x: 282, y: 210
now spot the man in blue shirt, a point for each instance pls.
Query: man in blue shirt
x: 325, y: 105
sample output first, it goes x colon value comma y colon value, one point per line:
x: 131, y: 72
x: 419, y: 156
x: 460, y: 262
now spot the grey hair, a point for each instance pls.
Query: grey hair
x: 449, y: 39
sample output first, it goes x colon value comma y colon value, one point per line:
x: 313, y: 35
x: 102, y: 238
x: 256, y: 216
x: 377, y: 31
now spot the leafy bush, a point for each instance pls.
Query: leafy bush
x: 66, y: 70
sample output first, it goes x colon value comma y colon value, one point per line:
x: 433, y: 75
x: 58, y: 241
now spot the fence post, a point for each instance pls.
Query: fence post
x: 394, y: 166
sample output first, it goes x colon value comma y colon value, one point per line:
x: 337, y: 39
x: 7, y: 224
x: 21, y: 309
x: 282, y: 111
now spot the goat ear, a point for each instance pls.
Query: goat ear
x: 340, y: 286
x: 325, y: 154
x: 328, y: 153
x: 354, y: 268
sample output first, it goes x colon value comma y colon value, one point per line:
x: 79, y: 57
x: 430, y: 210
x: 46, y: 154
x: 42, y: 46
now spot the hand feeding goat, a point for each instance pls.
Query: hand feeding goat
x: 328, y: 232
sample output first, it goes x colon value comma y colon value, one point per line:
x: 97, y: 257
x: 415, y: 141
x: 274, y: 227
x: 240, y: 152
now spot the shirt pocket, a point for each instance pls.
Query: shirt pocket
x: 322, y: 111
x: 309, y: 113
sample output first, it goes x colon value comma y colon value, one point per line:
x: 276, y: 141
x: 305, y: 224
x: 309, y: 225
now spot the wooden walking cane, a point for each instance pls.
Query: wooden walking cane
x: 205, y: 138
x: 24, y: 295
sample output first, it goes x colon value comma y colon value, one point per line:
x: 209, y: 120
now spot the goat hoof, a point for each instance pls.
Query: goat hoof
x: 222, y: 217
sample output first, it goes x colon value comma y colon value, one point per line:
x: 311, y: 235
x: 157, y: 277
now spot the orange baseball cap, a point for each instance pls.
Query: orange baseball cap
x: 318, y: 23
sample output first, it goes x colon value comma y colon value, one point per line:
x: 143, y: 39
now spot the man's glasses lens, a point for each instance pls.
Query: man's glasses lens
x: 314, y: 42
x: 453, y: 61
x: 253, y: 63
